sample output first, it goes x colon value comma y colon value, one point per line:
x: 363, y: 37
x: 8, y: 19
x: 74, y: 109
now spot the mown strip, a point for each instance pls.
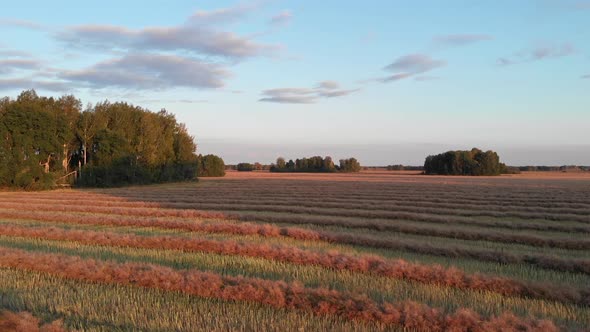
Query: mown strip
x: 277, y: 294
x: 395, y: 227
x: 419, y: 217
x: 400, y: 269
x: 25, y: 322
x: 450, y: 209
x: 539, y: 260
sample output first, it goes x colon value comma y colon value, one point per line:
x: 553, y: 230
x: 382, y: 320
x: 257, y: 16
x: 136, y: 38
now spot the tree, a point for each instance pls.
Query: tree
x: 210, y: 166
x: 245, y: 167
x: 114, y: 143
x: 473, y: 162
x: 315, y: 164
x: 350, y: 165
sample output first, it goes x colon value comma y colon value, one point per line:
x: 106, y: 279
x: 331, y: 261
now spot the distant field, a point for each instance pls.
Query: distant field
x: 376, y: 250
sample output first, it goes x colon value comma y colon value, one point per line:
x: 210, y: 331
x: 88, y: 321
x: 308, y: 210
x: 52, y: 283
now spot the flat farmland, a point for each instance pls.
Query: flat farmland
x: 371, y: 251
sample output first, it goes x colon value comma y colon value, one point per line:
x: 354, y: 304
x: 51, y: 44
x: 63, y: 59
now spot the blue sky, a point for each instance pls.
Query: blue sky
x: 386, y: 81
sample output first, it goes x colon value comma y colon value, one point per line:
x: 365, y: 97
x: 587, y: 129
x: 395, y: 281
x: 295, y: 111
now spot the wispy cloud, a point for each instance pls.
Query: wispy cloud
x: 10, y: 65
x: 20, y: 23
x: 282, y: 18
x: 14, y: 53
x: 222, y: 15
x: 585, y: 77
x: 324, y: 89
x: 29, y: 83
x: 154, y: 72
x: 201, y: 35
x: 410, y: 65
x: 540, y: 52
x: 461, y: 39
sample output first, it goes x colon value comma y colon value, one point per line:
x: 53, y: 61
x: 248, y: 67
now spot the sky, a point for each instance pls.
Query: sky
x: 388, y: 82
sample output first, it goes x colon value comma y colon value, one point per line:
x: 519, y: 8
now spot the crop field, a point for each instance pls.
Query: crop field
x: 257, y: 251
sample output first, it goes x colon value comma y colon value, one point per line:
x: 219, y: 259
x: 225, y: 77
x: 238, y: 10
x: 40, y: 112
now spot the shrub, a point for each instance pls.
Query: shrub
x: 245, y: 167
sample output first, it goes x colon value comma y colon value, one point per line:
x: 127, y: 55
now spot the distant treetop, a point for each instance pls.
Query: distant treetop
x: 473, y: 162
x: 315, y: 164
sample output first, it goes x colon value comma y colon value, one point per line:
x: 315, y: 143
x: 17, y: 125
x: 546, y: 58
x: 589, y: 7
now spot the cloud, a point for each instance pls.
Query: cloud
x: 10, y: 65
x: 222, y: 15
x: 426, y: 78
x: 14, y: 53
x: 541, y: 52
x: 395, y: 77
x: 282, y: 18
x: 410, y: 65
x: 153, y: 72
x: 168, y: 101
x: 585, y: 77
x: 552, y: 51
x: 19, y: 23
x: 199, y: 35
x: 27, y: 83
x: 461, y: 39
x: 328, y: 85
x: 324, y: 89
x: 414, y: 63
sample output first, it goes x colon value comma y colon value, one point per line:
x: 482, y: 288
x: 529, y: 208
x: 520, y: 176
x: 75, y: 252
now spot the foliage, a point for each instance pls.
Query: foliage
x: 349, y: 165
x: 400, y: 167
x: 210, y: 166
x: 315, y: 164
x: 245, y: 167
x: 474, y: 162
x: 110, y: 144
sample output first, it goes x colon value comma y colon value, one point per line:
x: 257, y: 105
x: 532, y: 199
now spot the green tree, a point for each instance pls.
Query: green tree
x: 350, y: 165
x: 210, y: 166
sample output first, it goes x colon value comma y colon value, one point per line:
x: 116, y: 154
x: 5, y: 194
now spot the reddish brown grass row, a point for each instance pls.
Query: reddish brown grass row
x: 539, y: 260
x: 420, y: 217
x: 455, y: 233
x: 278, y: 294
x: 359, y: 190
x: 427, y: 195
x: 460, y: 209
x: 400, y: 269
x: 25, y: 322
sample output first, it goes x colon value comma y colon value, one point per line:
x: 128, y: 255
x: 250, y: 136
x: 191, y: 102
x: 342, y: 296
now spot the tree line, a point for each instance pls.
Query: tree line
x: 471, y: 162
x: 315, y: 164
x: 43, y: 139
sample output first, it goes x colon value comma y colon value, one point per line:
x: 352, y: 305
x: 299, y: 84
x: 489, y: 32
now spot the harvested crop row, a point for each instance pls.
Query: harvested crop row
x: 398, y: 269
x: 409, y: 315
x: 317, y: 192
x: 489, y: 236
x: 142, y: 212
x: 539, y: 260
x: 345, y: 203
x: 300, y: 209
x: 501, y: 196
x: 25, y: 322
x: 466, y: 210
x: 556, y: 227
x: 364, y: 204
x: 448, y: 232
x: 548, y: 262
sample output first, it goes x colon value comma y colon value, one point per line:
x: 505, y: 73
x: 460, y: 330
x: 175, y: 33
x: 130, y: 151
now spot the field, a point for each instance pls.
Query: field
x: 289, y: 252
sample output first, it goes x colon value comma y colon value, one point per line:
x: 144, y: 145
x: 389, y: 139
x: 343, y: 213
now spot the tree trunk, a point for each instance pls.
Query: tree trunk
x: 65, y: 161
x: 85, y: 153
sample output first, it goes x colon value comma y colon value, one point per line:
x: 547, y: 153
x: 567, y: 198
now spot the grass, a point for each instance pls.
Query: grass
x: 324, y: 228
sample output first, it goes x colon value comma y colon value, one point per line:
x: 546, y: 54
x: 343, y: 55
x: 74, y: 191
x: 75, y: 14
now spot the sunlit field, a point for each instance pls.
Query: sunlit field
x: 290, y: 252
